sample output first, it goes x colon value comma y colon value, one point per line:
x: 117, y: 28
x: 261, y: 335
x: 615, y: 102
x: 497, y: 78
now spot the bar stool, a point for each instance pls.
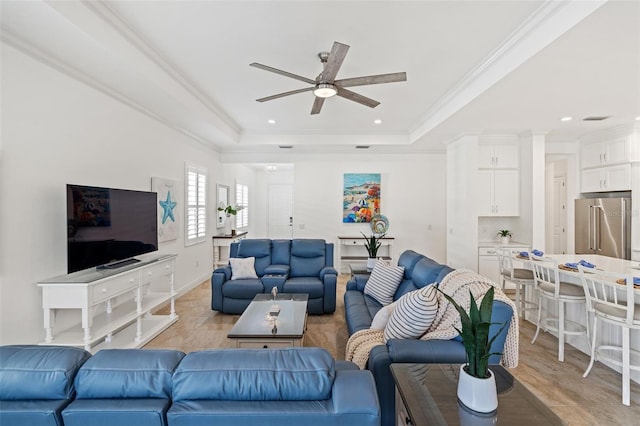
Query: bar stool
x: 607, y: 295
x: 549, y: 286
x: 522, y: 278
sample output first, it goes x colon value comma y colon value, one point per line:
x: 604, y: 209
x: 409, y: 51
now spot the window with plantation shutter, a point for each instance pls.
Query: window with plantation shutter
x: 242, y: 200
x: 196, y: 205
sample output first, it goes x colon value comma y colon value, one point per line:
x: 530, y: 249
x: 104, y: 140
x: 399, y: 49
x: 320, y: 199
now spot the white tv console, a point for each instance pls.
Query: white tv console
x: 115, y: 304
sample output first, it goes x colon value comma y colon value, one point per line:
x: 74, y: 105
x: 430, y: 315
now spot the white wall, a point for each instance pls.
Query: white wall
x: 55, y: 131
x: 412, y: 198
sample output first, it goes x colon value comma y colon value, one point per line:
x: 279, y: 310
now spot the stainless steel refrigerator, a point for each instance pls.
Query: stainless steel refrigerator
x: 603, y: 226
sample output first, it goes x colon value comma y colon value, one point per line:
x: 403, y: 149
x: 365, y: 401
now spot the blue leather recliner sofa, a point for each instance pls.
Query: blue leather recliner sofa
x: 293, y: 266
x: 64, y: 386
x: 360, y: 309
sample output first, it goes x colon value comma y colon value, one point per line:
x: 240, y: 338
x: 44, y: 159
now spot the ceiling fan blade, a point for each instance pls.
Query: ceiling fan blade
x: 285, y: 73
x: 282, y: 95
x: 353, y: 96
x: 317, y: 105
x: 338, y: 52
x: 372, y: 79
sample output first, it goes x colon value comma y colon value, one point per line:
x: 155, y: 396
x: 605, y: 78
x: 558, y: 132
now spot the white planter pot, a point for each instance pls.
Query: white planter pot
x: 505, y: 240
x: 371, y: 262
x: 477, y: 394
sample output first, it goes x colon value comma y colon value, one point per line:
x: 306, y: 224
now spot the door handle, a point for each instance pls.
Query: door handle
x: 590, y: 227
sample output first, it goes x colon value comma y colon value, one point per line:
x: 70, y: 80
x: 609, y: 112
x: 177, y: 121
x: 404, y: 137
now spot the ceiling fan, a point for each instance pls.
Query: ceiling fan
x: 325, y: 85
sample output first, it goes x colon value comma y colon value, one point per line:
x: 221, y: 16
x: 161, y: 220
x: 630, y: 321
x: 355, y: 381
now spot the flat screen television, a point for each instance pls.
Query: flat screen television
x: 106, y: 227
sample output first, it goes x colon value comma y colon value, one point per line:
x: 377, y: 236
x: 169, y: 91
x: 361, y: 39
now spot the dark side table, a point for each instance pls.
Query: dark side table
x: 426, y: 395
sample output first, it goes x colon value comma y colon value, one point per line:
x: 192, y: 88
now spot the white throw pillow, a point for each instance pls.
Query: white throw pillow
x: 383, y: 282
x: 242, y: 268
x: 381, y: 319
x: 413, y: 314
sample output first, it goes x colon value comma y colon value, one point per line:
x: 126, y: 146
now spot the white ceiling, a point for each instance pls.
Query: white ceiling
x: 472, y: 66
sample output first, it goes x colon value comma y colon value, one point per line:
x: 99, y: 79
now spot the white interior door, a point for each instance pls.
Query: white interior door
x: 559, y: 214
x: 280, y: 211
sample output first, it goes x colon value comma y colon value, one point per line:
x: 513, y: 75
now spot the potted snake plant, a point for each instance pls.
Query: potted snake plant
x: 476, y: 385
x: 372, y: 244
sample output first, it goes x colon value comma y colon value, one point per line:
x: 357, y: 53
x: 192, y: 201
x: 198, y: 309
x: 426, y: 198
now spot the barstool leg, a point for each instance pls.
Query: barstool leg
x: 538, y: 322
x: 561, y: 335
x: 518, y: 299
x: 626, y: 385
x: 593, y: 346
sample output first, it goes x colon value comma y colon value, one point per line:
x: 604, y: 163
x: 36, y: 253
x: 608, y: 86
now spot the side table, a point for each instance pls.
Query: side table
x: 426, y: 395
x: 358, y: 270
x: 220, y: 241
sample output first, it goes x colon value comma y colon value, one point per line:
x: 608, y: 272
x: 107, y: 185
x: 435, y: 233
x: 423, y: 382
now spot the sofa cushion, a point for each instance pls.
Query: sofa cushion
x: 51, y: 367
x: 307, y: 257
x: 383, y: 282
x: 301, y: 285
x: 280, y: 252
x: 243, y: 268
x: 381, y: 318
x: 112, y: 411
x: 258, y: 248
x: 413, y: 314
x: 425, y: 272
x: 295, y: 374
x: 408, y: 259
x: 127, y: 373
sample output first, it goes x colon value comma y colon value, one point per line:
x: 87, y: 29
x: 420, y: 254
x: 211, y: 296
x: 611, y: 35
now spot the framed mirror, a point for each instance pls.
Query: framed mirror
x: 222, y: 202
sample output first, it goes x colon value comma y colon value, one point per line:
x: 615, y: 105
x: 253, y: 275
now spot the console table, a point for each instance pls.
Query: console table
x: 426, y: 395
x: 220, y: 241
x: 352, y: 249
x: 115, y: 305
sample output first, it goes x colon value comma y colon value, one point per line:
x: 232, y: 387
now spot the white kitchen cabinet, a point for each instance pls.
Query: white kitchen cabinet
x: 603, y: 179
x: 498, y: 155
x: 498, y: 193
x: 606, y: 153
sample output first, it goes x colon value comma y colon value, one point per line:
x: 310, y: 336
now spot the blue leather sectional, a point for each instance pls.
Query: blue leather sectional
x: 360, y: 309
x: 56, y: 385
x: 293, y: 266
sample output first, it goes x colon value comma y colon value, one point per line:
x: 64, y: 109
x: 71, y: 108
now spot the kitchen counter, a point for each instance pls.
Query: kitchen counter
x: 497, y: 243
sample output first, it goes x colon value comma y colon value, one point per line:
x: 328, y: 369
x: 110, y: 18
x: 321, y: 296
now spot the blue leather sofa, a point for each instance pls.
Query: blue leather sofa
x: 36, y: 383
x: 360, y: 309
x: 48, y: 385
x: 293, y: 266
x: 271, y: 387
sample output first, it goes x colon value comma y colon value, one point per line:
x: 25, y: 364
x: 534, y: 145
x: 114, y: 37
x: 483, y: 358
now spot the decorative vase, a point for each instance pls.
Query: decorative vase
x: 227, y: 225
x: 505, y: 240
x: 477, y: 394
x: 371, y: 262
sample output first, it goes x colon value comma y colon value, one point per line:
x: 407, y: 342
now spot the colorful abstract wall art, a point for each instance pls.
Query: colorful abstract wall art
x: 361, y: 197
x: 167, y: 208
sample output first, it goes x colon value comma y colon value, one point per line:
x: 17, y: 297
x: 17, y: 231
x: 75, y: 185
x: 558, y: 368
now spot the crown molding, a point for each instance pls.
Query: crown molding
x: 111, y: 17
x: 548, y: 22
x: 40, y: 55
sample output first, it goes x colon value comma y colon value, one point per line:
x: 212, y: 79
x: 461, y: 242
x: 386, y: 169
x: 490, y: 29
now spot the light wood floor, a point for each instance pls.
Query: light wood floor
x: 595, y: 400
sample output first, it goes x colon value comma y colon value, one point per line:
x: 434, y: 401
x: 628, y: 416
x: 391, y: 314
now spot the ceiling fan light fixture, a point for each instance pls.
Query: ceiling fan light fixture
x: 324, y: 90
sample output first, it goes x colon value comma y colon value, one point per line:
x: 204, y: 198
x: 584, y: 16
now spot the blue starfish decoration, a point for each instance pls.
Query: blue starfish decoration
x: 168, y: 207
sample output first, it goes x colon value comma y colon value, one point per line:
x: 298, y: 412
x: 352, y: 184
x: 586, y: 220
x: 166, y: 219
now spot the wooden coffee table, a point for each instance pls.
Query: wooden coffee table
x: 426, y: 394
x: 257, y: 328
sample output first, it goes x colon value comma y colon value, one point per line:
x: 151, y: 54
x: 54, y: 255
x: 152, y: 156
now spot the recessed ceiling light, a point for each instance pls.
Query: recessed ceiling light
x: 377, y: 121
x: 566, y: 119
x: 638, y: 118
x: 272, y: 121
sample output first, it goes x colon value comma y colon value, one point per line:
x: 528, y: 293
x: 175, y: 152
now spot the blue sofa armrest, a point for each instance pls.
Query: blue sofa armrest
x: 218, y: 278
x: 282, y: 270
x: 354, y: 392
x: 327, y: 270
x: 357, y: 282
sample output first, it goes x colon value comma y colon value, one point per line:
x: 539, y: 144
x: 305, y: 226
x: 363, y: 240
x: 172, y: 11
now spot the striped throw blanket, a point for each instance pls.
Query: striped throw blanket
x: 456, y: 284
